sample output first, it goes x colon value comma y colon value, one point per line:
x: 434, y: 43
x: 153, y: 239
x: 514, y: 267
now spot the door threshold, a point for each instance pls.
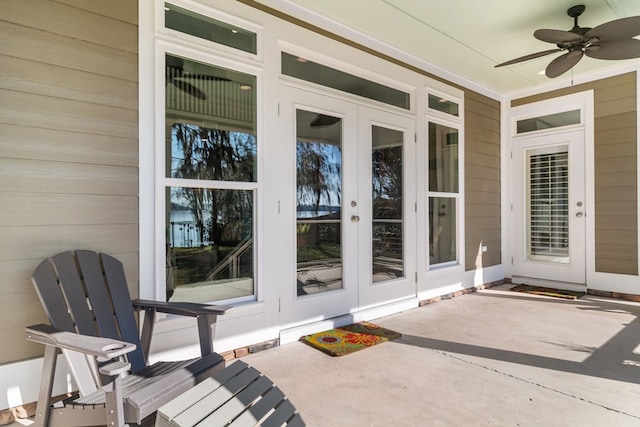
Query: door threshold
x: 545, y: 283
x: 294, y: 333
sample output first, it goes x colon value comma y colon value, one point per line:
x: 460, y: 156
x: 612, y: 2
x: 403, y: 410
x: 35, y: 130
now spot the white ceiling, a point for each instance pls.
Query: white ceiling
x: 464, y: 37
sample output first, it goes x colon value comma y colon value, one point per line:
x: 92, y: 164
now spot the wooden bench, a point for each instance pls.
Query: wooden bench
x: 237, y: 396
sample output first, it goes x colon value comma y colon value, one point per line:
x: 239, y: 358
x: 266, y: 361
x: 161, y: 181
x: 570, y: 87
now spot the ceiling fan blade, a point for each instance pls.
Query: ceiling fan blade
x: 190, y: 89
x: 621, y: 49
x: 619, y: 29
x: 557, y: 36
x: 563, y: 63
x: 528, y: 57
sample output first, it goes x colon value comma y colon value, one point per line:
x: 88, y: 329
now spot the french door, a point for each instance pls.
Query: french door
x: 549, y: 209
x: 351, y: 207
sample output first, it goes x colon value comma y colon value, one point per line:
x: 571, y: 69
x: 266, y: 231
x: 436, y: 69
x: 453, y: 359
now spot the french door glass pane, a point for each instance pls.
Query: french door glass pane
x: 387, y: 215
x: 548, y: 213
x: 318, y: 202
x: 442, y: 230
x: 210, y: 244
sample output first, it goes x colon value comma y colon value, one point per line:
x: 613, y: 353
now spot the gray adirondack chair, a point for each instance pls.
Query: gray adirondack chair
x: 85, y: 296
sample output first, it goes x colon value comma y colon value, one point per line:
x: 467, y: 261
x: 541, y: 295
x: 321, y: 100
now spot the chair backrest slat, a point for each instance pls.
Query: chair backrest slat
x: 117, y: 283
x: 48, y: 290
x: 94, y: 281
x: 69, y: 277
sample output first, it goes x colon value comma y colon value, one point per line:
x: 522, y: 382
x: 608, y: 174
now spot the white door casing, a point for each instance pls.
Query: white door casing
x: 357, y: 290
x: 549, y: 208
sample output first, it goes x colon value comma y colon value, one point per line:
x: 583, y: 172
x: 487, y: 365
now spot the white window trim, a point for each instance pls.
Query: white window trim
x: 187, y: 39
x: 154, y: 43
x: 457, y: 122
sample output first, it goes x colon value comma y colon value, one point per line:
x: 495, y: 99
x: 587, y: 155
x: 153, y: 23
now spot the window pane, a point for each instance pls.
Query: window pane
x: 318, y: 202
x: 387, y: 227
x: 211, y: 154
x: 548, y: 213
x: 210, y: 244
x: 442, y: 230
x: 443, y: 158
x: 210, y: 118
x: 547, y: 122
x: 210, y: 29
x: 310, y: 71
x: 441, y: 104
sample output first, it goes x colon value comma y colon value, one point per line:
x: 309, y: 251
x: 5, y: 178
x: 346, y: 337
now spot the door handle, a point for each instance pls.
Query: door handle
x: 579, y: 215
x: 355, y: 218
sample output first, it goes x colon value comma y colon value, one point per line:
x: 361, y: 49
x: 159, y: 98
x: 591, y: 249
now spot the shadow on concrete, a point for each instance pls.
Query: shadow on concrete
x: 614, y: 360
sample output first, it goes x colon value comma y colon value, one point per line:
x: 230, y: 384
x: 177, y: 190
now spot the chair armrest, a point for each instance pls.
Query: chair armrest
x: 180, y: 308
x: 206, y: 315
x: 106, y: 348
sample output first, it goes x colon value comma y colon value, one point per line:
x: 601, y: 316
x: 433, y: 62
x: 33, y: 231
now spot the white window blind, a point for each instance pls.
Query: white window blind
x: 549, y: 205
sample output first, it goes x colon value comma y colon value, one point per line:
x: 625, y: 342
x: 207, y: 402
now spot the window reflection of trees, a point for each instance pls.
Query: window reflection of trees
x: 223, y: 218
x: 318, y: 201
x: 387, y: 227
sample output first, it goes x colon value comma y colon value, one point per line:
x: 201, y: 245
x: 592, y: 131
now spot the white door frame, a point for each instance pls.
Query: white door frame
x: 316, y: 307
x: 546, y: 269
x: 374, y: 294
x: 584, y: 102
x: 351, y: 303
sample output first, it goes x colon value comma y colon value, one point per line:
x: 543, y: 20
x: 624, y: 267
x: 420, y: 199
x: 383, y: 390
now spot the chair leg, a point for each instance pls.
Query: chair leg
x: 46, y: 386
x: 114, y: 403
x: 206, y: 332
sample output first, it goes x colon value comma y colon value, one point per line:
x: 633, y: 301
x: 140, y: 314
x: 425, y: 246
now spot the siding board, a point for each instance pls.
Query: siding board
x: 51, y: 80
x: 32, y: 209
x: 17, y: 142
x: 72, y: 22
x: 36, y: 176
x: 126, y: 11
x: 28, y: 110
x: 42, y: 241
x: 37, y: 45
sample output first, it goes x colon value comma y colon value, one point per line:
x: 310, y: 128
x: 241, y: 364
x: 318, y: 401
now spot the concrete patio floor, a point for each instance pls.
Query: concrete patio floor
x: 490, y: 358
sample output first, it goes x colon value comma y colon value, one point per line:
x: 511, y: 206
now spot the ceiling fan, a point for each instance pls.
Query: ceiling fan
x: 611, y: 40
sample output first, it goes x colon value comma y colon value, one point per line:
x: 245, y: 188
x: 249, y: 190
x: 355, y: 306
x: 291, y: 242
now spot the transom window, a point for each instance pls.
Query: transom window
x: 210, y: 29
x: 305, y: 69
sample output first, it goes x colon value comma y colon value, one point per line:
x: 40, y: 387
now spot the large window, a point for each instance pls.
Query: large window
x: 443, y: 193
x: 210, y: 181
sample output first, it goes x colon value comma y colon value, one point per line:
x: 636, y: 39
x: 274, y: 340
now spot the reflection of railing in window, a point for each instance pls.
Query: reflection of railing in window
x: 220, y: 97
x: 231, y: 262
x: 318, y: 241
x: 387, y: 249
x: 387, y: 235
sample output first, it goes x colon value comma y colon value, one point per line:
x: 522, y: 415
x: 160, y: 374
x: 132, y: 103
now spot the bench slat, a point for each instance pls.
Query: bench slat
x: 260, y: 409
x: 240, y: 403
x: 219, y: 396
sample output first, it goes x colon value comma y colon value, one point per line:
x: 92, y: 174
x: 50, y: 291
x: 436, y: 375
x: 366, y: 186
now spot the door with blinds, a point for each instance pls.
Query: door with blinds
x: 549, y: 209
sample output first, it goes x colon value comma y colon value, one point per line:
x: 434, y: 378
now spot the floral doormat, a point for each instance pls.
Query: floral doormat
x: 350, y: 338
x: 548, y: 292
